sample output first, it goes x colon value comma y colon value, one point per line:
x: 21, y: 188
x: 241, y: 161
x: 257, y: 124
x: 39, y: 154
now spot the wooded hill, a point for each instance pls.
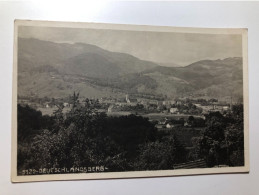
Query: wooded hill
x: 55, y: 69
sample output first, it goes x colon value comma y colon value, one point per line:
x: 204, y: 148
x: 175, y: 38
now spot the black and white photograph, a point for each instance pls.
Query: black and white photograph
x: 98, y: 101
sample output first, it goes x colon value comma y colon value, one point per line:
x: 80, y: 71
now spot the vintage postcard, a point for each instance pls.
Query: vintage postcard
x: 97, y: 101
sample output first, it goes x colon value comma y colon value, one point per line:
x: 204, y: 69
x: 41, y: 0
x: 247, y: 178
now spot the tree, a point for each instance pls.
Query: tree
x: 161, y: 154
x: 234, y: 136
x: 222, y: 141
x: 191, y: 120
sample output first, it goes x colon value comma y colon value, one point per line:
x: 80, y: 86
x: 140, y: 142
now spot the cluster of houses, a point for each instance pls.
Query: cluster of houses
x: 169, y: 123
x: 147, y: 104
x: 43, y: 104
x: 214, y: 107
x: 111, y: 104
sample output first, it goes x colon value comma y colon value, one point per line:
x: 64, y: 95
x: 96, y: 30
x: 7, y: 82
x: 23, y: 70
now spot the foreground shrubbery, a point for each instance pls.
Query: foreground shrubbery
x: 222, y: 141
x: 84, y: 137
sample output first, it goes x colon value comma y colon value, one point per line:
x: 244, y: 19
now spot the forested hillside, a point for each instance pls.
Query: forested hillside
x: 54, y: 69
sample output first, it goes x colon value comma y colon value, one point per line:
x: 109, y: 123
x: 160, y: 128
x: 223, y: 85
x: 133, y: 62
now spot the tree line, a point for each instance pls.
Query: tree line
x: 85, y: 137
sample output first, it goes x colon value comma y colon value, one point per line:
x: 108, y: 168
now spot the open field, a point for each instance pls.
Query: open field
x: 158, y: 116
x: 119, y: 113
x: 50, y: 111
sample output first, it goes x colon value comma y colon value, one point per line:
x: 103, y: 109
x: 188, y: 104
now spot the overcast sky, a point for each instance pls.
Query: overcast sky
x: 161, y: 47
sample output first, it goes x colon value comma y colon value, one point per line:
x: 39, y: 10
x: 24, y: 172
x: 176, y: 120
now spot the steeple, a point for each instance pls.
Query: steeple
x: 127, y: 98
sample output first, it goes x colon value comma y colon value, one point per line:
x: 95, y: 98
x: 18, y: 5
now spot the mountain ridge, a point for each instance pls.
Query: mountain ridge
x: 64, y: 67
x: 58, y: 55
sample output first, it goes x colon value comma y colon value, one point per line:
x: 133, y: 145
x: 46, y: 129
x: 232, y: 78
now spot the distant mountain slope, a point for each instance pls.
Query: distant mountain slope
x: 211, y: 77
x: 206, y: 72
x: 78, y: 58
x: 57, y: 69
x: 169, y: 64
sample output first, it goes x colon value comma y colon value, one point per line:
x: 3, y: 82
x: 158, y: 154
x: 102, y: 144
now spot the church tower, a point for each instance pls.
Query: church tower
x: 127, y: 98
